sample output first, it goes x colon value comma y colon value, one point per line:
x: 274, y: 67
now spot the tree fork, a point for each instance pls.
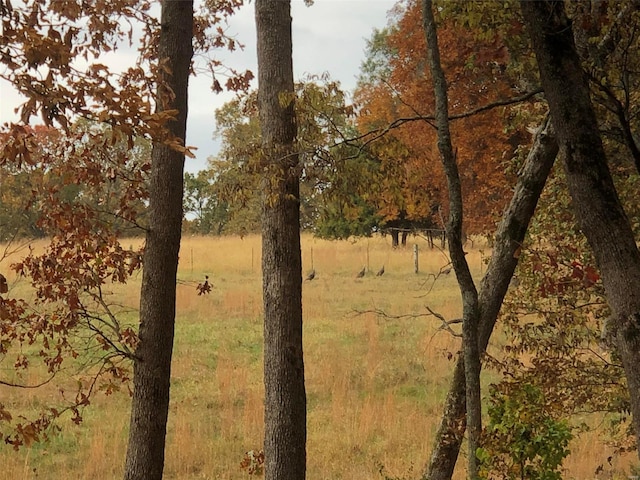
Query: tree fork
x: 508, y: 240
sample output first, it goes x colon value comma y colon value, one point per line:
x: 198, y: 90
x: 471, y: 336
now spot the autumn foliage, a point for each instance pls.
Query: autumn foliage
x: 80, y: 180
x: 70, y: 314
x: 413, y: 184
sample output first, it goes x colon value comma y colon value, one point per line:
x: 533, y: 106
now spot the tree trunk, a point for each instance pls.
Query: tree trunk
x: 508, y: 239
x: 395, y: 238
x: 152, y: 364
x: 598, y: 208
x: 470, y: 311
x: 285, y: 397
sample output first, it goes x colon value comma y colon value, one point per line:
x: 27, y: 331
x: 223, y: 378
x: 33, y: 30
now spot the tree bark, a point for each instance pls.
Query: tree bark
x: 470, y: 311
x: 285, y: 397
x: 508, y: 240
x: 152, y: 363
x: 598, y: 208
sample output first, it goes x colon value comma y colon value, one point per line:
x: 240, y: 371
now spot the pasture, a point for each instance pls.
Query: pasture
x: 375, y: 383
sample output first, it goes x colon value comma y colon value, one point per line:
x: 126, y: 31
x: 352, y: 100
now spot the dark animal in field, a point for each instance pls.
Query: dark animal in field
x: 380, y: 272
x: 311, y: 276
x: 204, y: 288
x: 361, y: 272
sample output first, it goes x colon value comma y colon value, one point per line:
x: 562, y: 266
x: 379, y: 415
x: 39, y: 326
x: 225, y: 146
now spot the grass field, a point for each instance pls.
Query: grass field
x: 375, y: 384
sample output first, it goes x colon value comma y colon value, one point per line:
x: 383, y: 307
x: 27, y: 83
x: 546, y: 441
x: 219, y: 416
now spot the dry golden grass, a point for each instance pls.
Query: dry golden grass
x: 375, y: 384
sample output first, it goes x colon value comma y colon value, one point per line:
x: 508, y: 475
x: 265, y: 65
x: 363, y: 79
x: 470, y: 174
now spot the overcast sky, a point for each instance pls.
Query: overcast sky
x: 330, y: 36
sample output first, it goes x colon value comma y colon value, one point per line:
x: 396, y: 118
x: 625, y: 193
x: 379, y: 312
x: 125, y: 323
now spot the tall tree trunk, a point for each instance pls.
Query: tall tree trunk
x: 598, y: 208
x: 285, y: 397
x: 508, y: 239
x: 470, y: 311
x: 152, y: 364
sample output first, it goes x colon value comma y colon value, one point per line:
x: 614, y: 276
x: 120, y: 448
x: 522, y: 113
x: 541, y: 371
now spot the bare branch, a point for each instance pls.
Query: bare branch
x: 18, y: 385
x: 446, y: 324
x: 377, y: 133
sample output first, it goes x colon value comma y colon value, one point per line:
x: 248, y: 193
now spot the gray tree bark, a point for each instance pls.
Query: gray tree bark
x: 285, y: 396
x: 470, y: 310
x: 594, y: 196
x: 508, y: 239
x: 152, y: 363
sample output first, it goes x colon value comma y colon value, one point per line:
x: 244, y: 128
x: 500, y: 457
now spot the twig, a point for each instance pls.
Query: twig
x: 446, y: 324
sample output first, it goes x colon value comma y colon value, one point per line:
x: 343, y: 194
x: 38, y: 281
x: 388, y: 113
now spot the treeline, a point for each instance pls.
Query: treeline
x: 110, y: 181
x: 369, y: 160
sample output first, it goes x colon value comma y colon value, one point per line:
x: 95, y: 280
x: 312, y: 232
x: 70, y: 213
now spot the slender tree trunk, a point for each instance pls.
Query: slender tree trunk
x: 152, y: 364
x: 395, y: 238
x: 285, y: 397
x: 404, y: 238
x: 508, y: 240
x: 594, y: 196
x: 470, y: 311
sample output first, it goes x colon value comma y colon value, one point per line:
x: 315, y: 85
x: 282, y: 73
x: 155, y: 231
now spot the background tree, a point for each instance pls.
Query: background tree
x: 125, y: 165
x: 336, y: 177
x: 344, y: 197
x: 285, y: 396
x: 202, y: 201
x: 18, y: 218
x: 477, y: 72
x: 234, y: 173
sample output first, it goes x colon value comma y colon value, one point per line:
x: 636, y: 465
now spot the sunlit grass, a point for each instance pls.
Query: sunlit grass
x: 377, y: 368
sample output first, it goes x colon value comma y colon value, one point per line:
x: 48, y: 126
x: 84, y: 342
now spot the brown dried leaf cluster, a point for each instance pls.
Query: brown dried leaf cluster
x: 82, y: 178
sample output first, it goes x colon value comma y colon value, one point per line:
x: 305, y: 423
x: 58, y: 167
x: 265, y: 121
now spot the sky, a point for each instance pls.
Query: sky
x: 329, y: 36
